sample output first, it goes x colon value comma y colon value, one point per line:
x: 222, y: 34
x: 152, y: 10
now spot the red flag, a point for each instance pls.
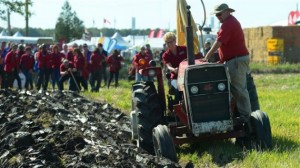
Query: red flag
x: 151, y: 34
x: 106, y: 21
x: 160, y: 33
x: 293, y: 17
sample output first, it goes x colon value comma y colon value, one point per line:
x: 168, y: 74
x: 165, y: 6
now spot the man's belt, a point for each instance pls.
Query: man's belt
x: 236, y: 57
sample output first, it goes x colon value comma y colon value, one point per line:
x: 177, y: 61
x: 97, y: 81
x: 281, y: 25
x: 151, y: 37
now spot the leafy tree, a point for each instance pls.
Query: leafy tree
x: 68, y: 25
x: 16, y: 6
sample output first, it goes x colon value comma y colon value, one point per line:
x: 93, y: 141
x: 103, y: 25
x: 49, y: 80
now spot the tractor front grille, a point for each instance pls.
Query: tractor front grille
x: 207, y: 91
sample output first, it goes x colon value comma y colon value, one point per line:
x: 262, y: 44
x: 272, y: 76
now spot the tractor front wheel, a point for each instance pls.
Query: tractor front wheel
x: 261, y: 136
x: 163, y: 143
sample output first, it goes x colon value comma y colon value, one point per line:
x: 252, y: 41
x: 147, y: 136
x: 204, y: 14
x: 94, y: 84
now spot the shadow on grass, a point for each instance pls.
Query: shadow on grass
x: 222, y: 152
x: 283, y: 144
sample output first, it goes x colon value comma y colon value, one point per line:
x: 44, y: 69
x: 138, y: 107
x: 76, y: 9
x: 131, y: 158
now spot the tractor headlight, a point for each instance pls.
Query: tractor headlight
x: 194, y: 89
x: 151, y: 72
x: 221, y: 86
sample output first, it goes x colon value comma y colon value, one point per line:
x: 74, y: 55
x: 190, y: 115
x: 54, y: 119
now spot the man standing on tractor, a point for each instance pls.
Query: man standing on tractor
x: 233, y: 53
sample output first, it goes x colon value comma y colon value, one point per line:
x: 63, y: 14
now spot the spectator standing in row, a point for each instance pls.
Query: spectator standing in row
x: 20, y: 52
x: 26, y: 65
x: 64, y: 50
x: 10, y: 66
x: 114, y: 63
x: 96, y: 69
x: 70, y: 54
x: 79, y: 64
x: 44, y: 67
x: 56, y: 58
x: 87, y: 55
x: 104, y: 66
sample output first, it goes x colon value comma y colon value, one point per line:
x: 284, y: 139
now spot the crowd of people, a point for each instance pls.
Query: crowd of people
x: 78, y: 67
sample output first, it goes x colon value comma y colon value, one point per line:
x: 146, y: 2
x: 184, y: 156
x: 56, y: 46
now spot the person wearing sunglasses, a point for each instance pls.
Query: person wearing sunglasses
x: 233, y: 53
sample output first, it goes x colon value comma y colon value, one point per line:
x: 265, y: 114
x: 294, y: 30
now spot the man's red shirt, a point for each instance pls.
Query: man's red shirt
x: 232, y: 38
x: 44, y: 59
x: 56, y: 59
x: 70, y: 56
x: 79, y: 63
x: 27, y: 61
x: 11, y: 62
x: 114, y: 63
x: 96, y: 62
x: 19, y: 55
x: 137, y: 58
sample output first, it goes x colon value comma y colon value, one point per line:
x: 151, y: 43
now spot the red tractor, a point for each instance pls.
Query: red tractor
x: 206, y: 111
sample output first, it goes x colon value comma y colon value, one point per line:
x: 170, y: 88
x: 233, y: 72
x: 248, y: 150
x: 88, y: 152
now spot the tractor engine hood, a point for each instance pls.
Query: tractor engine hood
x: 181, y: 72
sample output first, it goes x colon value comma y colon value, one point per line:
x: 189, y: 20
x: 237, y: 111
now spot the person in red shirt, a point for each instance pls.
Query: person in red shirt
x: 66, y: 68
x: 114, y: 63
x: 44, y: 67
x: 20, y: 52
x: 56, y: 58
x: 141, y: 61
x: 26, y: 65
x: 79, y: 64
x: 234, y: 54
x: 172, y: 58
x: 104, y: 69
x: 70, y: 54
x: 87, y: 55
x: 11, y: 66
x: 96, y: 69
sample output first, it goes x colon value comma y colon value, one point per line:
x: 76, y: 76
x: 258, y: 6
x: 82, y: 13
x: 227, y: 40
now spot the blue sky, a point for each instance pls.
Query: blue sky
x: 152, y: 13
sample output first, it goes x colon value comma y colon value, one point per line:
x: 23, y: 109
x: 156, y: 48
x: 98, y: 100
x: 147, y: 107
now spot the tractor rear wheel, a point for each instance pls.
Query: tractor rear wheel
x: 147, y: 106
x: 163, y: 143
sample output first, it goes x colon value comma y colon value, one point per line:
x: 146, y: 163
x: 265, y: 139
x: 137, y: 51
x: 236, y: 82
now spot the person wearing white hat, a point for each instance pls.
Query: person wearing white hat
x: 233, y: 53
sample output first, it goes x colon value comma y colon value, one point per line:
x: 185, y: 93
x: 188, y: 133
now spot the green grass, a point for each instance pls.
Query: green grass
x: 278, y: 97
x: 279, y: 68
x: 119, y: 97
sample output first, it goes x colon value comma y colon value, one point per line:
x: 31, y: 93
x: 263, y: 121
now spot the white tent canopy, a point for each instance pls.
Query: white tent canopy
x: 120, y: 42
x: 27, y: 40
x: 79, y: 42
x: 17, y: 34
x: 3, y: 33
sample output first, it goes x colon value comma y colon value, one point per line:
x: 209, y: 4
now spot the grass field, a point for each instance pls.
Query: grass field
x: 278, y: 97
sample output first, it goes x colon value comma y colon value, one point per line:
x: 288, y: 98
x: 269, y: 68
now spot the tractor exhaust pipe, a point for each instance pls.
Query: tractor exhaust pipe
x: 189, y: 38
